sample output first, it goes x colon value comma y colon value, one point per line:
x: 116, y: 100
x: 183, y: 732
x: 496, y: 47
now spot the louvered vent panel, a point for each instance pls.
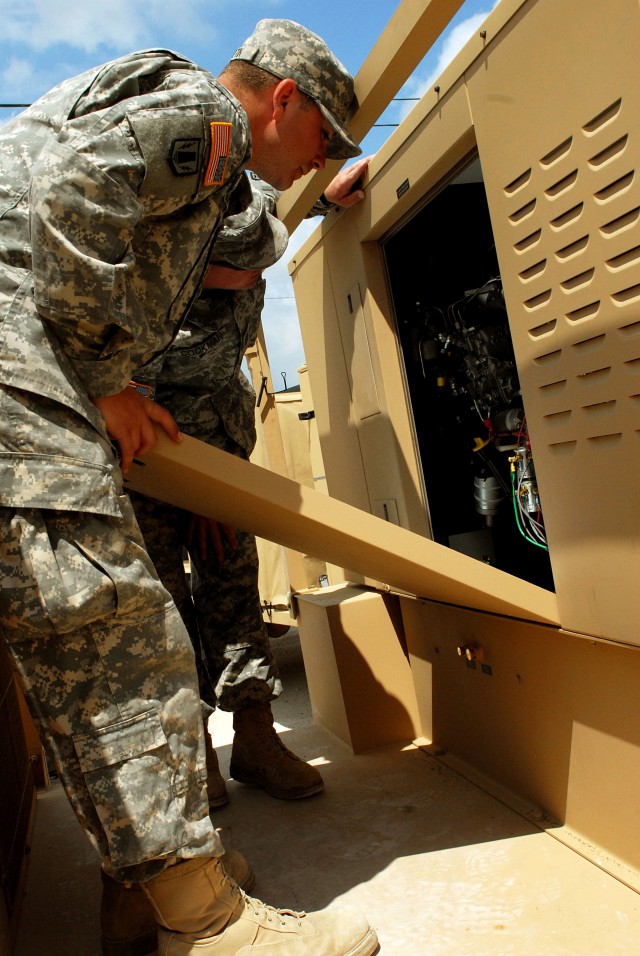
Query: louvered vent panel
x: 574, y: 216
x: 559, y: 144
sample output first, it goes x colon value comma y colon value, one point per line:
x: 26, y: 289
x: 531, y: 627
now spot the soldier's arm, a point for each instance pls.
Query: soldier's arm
x: 82, y: 222
x: 344, y: 190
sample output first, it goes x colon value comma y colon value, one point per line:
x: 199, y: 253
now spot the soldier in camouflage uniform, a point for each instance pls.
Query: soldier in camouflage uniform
x: 200, y: 380
x: 112, y: 190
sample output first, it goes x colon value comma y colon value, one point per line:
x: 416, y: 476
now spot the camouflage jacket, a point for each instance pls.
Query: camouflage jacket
x: 112, y: 189
x: 200, y: 379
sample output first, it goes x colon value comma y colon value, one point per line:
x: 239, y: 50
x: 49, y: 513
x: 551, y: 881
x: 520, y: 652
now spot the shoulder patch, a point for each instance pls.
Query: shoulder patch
x: 171, y: 142
x: 219, y: 155
x: 185, y: 156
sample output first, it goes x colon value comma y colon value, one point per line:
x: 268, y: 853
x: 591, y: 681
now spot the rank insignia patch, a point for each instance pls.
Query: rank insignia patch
x: 220, y: 146
x: 185, y: 156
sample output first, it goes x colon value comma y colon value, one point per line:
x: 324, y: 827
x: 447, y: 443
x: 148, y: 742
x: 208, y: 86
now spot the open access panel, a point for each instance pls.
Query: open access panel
x: 461, y: 373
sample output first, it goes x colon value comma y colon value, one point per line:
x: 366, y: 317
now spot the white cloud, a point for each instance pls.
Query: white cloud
x: 19, y: 69
x: 40, y: 24
x: 18, y: 75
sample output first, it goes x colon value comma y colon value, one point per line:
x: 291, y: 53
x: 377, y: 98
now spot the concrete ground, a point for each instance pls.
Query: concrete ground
x: 439, y: 866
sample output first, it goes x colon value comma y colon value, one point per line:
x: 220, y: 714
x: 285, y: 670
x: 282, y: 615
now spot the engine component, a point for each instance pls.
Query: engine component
x: 488, y: 496
x: 466, y: 358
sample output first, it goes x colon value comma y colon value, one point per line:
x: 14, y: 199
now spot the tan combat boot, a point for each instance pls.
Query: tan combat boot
x: 260, y: 759
x: 128, y: 925
x: 201, y: 912
x: 216, y: 787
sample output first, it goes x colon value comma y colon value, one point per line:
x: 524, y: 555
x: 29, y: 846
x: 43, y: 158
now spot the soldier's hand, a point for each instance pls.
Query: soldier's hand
x: 129, y: 418
x: 205, y: 531
x: 345, y: 189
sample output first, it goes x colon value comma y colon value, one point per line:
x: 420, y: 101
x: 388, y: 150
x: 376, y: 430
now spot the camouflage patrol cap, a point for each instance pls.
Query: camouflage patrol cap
x: 288, y: 50
x: 253, y: 238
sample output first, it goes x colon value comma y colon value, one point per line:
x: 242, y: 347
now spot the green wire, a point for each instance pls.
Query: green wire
x: 531, y: 540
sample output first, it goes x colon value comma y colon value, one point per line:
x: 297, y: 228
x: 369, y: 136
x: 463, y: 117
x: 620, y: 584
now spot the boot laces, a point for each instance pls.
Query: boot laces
x: 236, y: 889
x: 271, y: 737
x: 268, y: 913
x: 272, y: 915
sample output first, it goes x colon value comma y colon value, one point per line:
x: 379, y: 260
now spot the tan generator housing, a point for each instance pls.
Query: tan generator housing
x: 472, y: 336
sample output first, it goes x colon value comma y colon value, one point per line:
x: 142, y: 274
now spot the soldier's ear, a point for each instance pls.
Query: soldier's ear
x: 283, y: 93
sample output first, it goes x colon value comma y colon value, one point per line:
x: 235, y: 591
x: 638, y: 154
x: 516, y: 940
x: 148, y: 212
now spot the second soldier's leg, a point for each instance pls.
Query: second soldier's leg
x: 241, y: 664
x: 235, y: 644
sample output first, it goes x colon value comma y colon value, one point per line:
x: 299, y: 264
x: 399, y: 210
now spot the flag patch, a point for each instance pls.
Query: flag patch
x: 220, y: 147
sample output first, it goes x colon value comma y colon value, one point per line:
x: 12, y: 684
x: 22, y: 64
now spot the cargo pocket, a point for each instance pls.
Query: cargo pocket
x: 137, y: 786
x: 63, y: 571
x: 48, y: 587
x: 120, y: 555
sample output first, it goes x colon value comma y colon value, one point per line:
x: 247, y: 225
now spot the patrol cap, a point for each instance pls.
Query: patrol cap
x: 290, y: 51
x: 253, y: 238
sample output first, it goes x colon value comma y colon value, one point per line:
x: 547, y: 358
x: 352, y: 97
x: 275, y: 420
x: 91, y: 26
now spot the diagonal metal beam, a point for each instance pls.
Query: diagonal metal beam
x: 210, y: 482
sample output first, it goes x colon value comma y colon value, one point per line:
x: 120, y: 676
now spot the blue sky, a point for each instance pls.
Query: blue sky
x: 44, y: 41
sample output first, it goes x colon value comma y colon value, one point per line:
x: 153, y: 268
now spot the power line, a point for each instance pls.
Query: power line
x: 396, y: 99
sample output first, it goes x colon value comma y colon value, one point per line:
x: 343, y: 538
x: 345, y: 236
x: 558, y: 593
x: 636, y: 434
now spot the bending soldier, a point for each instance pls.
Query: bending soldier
x: 113, y: 188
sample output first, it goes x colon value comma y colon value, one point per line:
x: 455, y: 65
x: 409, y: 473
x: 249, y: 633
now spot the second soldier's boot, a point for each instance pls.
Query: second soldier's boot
x: 260, y: 759
x: 216, y: 787
x: 201, y: 912
x: 128, y: 925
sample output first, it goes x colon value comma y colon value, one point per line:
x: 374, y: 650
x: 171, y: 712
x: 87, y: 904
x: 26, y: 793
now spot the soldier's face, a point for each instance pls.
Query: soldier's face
x: 295, y: 141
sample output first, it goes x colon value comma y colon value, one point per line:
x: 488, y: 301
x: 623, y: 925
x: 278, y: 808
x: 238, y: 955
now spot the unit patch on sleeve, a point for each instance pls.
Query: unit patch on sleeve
x: 219, y: 156
x: 185, y: 156
x: 172, y: 144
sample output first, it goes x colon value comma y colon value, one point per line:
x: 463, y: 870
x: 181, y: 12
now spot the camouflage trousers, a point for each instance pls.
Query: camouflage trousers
x: 220, y: 606
x: 108, y: 671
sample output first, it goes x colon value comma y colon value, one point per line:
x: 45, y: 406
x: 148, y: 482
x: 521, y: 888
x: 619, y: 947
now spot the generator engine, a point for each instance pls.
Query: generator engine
x: 468, y: 366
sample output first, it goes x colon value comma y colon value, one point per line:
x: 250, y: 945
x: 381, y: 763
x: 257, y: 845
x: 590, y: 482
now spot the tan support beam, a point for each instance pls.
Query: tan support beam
x: 210, y: 482
x: 407, y: 38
